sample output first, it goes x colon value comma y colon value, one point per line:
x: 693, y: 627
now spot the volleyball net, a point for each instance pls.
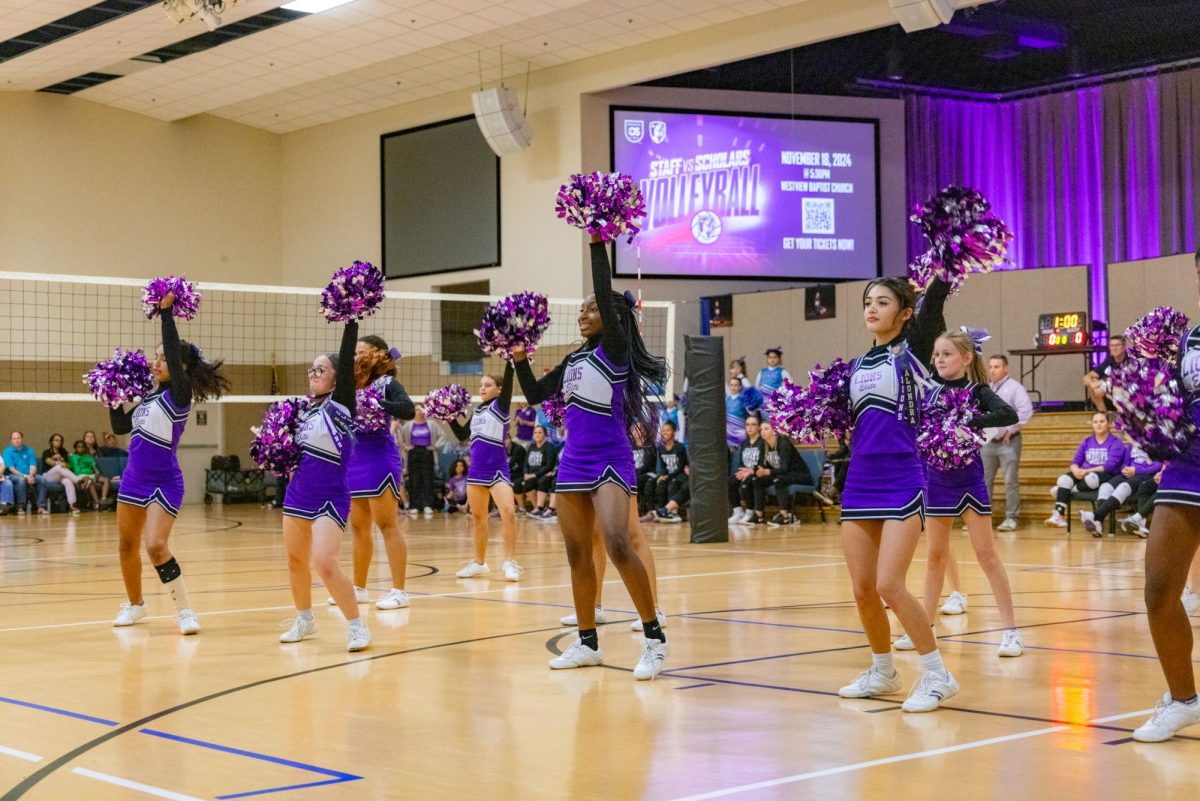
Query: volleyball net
x: 54, y: 328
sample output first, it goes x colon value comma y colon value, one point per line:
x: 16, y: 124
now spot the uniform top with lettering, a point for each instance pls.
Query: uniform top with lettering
x: 771, y: 379
x: 886, y: 381
x: 645, y: 459
x: 1140, y: 461
x: 1189, y: 370
x: 671, y: 461
x: 1109, y: 454
x: 324, y: 433
x: 541, y: 459
x: 750, y: 453
x: 489, y: 422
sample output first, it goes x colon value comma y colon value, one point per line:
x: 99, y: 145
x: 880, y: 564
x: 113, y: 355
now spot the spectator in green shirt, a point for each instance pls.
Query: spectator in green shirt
x: 83, y: 464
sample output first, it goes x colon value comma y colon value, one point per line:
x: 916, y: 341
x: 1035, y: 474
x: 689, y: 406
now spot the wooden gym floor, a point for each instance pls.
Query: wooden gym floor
x: 454, y: 700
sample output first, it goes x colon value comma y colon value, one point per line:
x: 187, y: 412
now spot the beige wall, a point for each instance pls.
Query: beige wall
x: 1136, y: 287
x: 91, y: 190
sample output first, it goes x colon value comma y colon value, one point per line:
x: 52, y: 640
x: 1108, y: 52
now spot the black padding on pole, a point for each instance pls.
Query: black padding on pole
x: 708, y: 456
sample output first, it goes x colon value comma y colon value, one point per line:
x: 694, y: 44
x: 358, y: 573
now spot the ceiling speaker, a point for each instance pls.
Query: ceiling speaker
x: 501, y: 120
x: 917, y: 15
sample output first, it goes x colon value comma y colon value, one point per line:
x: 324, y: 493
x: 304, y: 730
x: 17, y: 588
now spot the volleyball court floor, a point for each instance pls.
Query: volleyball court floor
x: 454, y: 700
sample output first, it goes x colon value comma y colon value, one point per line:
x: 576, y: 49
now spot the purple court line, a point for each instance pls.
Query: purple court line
x: 1062, y: 650
x: 337, y: 777
x: 702, y: 616
x: 694, y: 686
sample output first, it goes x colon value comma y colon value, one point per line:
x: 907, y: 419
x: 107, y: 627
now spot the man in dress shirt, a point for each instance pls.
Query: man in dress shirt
x: 1003, y: 446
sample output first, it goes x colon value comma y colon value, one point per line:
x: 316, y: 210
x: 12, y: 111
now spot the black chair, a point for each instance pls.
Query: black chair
x: 1092, y: 497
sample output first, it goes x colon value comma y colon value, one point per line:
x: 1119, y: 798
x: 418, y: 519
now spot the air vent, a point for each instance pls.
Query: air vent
x: 80, y: 21
x: 84, y: 81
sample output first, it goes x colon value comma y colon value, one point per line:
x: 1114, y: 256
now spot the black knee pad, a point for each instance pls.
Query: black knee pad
x: 168, y: 571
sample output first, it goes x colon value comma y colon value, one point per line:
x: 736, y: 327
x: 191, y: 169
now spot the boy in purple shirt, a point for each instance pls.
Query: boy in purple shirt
x: 1097, y: 461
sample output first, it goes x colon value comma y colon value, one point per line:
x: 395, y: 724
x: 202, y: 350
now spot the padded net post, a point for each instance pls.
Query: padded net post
x: 704, y: 368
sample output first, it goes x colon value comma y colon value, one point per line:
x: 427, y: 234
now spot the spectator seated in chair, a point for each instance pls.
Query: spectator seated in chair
x: 782, y: 467
x: 21, y: 471
x: 56, y: 470
x: 645, y: 461
x: 1097, y: 460
x: 748, y: 498
x: 671, y: 477
x: 1138, y: 469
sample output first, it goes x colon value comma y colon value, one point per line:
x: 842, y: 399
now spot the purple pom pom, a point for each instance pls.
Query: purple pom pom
x: 447, y: 403
x: 822, y: 410
x: 964, y: 237
x: 605, y: 203
x: 1152, y: 407
x: 123, y: 378
x: 945, y: 437
x: 1158, y: 335
x: 353, y: 293
x: 274, y: 447
x: 370, y: 416
x: 518, y: 319
x: 187, y: 297
x: 555, y: 409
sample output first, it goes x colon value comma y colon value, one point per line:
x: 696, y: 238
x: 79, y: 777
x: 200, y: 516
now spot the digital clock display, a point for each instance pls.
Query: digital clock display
x: 1062, y: 330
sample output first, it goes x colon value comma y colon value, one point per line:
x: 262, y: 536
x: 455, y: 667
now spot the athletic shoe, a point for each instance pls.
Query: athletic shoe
x: 129, y: 614
x: 576, y: 656
x: 1131, y: 524
x: 1142, y: 532
x: 870, y: 683
x: 1090, y: 525
x: 188, y: 624
x: 778, y: 520
x: 512, y: 571
x: 427, y: 511
x: 905, y: 643
x: 412, y: 511
x: 754, y: 519
x: 956, y: 604
x: 658, y: 613
x: 300, y: 629
x: 671, y: 517
x: 649, y: 517
x: 1010, y: 643
x: 474, y: 569
x: 573, y: 619
x: 357, y: 638
x: 1056, y: 520
x: 929, y: 692
x: 394, y: 599
x: 361, y: 596
x: 1169, y: 717
x: 738, y: 517
x: 1009, y: 524
x: 650, y: 664
x: 1191, y: 601
x: 494, y: 514
x: 822, y: 498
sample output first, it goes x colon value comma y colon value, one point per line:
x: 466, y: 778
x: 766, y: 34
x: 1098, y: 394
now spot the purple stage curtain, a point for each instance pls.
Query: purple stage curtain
x: 1093, y: 176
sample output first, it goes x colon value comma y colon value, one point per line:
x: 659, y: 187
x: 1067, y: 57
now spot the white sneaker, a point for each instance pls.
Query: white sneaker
x: 412, y: 511
x: 1169, y: 717
x: 870, y: 683
x: 577, y: 656
x: 1131, y: 524
x: 658, y: 613
x: 512, y: 571
x: 1142, y: 532
x: 650, y: 664
x: 474, y: 569
x: 1009, y: 524
x: 188, y: 624
x: 1191, y: 601
x: 956, y: 604
x: 573, y: 619
x: 738, y: 516
x: 929, y: 693
x: 300, y: 629
x: 357, y: 638
x: 361, y: 596
x: 427, y: 511
x: 1089, y: 523
x: 129, y: 614
x: 394, y: 599
x: 1010, y: 643
x: 905, y: 643
x: 1056, y: 520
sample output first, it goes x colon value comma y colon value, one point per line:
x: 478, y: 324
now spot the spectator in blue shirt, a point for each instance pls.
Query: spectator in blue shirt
x: 21, y: 470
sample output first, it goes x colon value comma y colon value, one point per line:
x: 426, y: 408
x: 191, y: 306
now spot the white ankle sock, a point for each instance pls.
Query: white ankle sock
x: 357, y: 623
x: 932, y: 662
x: 884, y: 663
x: 304, y: 614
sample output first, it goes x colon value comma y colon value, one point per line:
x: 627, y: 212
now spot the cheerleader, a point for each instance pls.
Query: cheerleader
x: 151, y: 489
x: 488, y: 474
x: 883, y: 505
x: 375, y: 475
x: 740, y: 401
x: 317, y: 500
x: 956, y: 358
x: 602, y: 383
x: 1173, y: 541
x: 771, y: 377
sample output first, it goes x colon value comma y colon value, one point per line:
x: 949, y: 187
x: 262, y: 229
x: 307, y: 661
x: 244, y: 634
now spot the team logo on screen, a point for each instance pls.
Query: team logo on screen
x: 658, y: 131
x: 706, y: 227
x: 634, y: 130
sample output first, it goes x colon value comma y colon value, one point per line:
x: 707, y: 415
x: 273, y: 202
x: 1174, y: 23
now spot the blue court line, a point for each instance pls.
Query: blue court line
x: 338, y: 777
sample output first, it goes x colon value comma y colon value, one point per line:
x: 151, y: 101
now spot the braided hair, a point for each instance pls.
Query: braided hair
x: 647, y: 372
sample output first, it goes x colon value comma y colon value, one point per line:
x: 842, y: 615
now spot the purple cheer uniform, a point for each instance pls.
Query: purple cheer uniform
x: 318, y: 488
x: 373, y: 465
x: 953, y: 492
x: 489, y: 424
x: 886, y: 477
x: 1180, y: 485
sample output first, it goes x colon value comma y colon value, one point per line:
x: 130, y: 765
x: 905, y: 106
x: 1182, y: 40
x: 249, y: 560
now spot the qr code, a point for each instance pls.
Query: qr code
x: 818, y: 215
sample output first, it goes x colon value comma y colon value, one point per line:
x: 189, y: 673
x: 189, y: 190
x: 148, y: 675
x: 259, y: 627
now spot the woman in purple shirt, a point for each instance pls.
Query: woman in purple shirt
x: 1098, y: 459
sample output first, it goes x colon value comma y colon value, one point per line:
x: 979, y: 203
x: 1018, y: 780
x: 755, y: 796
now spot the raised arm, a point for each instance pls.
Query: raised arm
x: 613, y: 339
x: 504, y: 402
x: 343, y: 388
x: 930, y: 322
x: 996, y: 413
x: 181, y: 386
x: 396, y: 401
x: 121, y: 420
x: 535, y: 389
x: 461, y: 430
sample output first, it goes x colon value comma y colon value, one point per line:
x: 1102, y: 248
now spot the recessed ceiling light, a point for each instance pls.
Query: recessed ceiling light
x: 314, y: 6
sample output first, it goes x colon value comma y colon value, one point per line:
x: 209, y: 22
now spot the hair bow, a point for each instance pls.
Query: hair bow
x: 395, y: 354
x: 778, y: 349
x: 629, y: 298
x: 977, y: 335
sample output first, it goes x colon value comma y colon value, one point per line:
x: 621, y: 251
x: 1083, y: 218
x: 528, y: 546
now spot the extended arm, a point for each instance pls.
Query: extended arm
x: 343, y: 389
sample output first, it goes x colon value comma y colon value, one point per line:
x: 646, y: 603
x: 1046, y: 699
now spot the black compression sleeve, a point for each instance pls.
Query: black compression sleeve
x: 463, y: 432
x: 180, y: 387
x: 537, y: 390
x: 121, y: 420
x: 931, y: 322
x: 613, y: 339
x: 396, y: 401
x: 996, y: 413
x: 506, y: 389
x: 343, y: 388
